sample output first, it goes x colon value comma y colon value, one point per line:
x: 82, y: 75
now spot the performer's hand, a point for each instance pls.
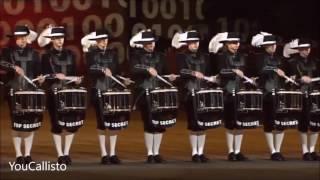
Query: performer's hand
x: 306, y: 79
x: 78, y: 81
x: 60, y: 76
x: 213, y: 79
x: 254, y: 80
x: 127, y: 81
x: 152, y: 71
x: 107, y: 72
x: 172, y: 77
x: 19, y: 70
x: 238, y: 72
x: 198, y: 74
x: 280, y: 72
x: 41, y: 79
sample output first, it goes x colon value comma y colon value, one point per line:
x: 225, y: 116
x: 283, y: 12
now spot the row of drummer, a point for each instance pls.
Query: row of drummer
x: 204, y: 93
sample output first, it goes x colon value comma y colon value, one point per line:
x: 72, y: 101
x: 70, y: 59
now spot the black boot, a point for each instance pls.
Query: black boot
x: 203, y: 158
x: 315, y: 156
x: 241, y: 157
x: 61, y: 160
x: 158, y: 159
x: 20, y: 160
x: 114, y: 159
x: 277, y: 157
x: 196, y: 158
x: 105, y: 160
x: 150, y: 159
x: 68, y: 160
x: 307, y: 157
x: 28, y: 160
x: 232, y: 157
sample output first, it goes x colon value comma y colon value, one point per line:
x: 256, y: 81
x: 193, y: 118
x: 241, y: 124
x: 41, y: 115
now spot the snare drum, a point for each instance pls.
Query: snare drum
x: 71, y: 100
x: 210, y: 100
x: 288, y: 108
x: 28, y: 101
x: 116, y: 101
x: 249, y: 108
x: 163, y: 100
x: 249, y: 101
x: 289, y: 101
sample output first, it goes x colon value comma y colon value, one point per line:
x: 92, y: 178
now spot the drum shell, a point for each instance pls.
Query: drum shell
x: 163, y: 100
x: 116, y: 102
x: 71, y: 100
x: 27, y: 101
x: 209, y: 100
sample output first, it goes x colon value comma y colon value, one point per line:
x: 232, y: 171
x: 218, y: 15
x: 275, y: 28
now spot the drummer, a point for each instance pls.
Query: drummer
x: 146, y: 66
x: 272, y: 71
x: 102, y: 65
x: 304, y: 68
x: 231, y: 64
x: 23, y: 61
x: 195, y: 62
x: 60, y: 63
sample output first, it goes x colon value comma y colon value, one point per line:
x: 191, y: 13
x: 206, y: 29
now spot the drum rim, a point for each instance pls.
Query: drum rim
x: 119, y: 110
x: 250, y: 92
x: 288, y: 109
x: 249, y: 109
x: 209, y: 90
x: 116, y: 92
x: 71, y: 108
x: 164, y: 90
x: 30, y: 110
x: 30, y: 92
x: 314, y: 93
x: 165, y: 107
x: 72, y: 90
x: 218, y: 107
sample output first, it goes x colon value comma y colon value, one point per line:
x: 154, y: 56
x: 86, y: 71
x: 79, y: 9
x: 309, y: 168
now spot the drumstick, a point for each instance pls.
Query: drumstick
x: 112, y: 77
x: 72, y: 79
x: 168, y: 75
x: 209, y: 79
x: 288, y: 79
x: 189, y: 72
x: 246, y: 78
x: 315, y: 79
x: 29, y: 81
x: 36, y: 79
x: 251, y: 79
x: 125, y: 79
x: 116, y: 80
x: 163, y: 80
x: 140, y: 66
